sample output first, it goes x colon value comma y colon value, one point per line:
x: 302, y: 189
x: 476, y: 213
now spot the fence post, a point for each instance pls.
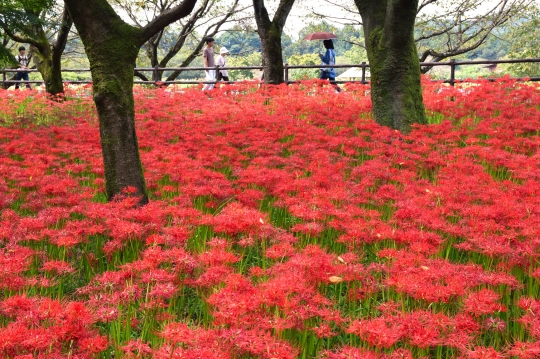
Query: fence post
x: 286, y: 66
x: 363, y: 72
x: 452, y: 72
x: 4, y: 86
x: 155, y: 75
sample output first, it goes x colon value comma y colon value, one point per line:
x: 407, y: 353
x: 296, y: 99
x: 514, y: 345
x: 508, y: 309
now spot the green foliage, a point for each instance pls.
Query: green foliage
x: 495, y: 47
x: 239, y: 41
x: 356, y: 55
x: 21, y: 15
x: 253, y: 59
x: 6, y: 58
x: 525, y: 43
x: 304, y: 74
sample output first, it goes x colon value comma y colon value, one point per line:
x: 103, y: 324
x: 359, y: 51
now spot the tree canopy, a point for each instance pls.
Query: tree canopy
x: 6, y: 57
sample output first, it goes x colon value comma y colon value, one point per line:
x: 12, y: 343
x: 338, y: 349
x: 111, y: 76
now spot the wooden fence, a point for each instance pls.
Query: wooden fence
x: 363, y: 66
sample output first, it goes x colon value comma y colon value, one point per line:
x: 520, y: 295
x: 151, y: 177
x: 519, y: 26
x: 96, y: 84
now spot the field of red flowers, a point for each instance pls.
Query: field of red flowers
x: 283, y: 223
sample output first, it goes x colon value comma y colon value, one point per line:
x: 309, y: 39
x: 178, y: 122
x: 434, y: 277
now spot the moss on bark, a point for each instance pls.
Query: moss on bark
x: 112, y: 73
x: 50, y: 72
x: 112, y: 47
x: 396, y: 90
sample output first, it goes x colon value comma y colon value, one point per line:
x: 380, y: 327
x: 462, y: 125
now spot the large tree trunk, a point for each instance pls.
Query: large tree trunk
x: 272, y: 55
x: 50, y: 70
x: 396, y: 91
x: 270, y: 33
x: 112, y: 47
x: 113, y: 95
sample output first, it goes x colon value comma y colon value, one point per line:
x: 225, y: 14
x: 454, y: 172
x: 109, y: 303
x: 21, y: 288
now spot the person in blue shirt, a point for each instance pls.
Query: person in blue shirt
x: 329, y: 58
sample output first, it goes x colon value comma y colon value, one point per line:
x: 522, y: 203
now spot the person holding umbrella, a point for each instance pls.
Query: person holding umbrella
x: 329, y: 58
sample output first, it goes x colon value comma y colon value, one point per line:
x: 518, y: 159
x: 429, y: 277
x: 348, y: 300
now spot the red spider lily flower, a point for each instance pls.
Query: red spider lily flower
x: 525, y: 350
x: 136, y: 349
x: 483, y: 302
x: 94, y: 345
x: 483, y: 353
x: 323, y: 331
x: 59, y: 267
x: 349, y: 353
x: 495, y: 324
x: 248, y: 183
x: 379, y: 332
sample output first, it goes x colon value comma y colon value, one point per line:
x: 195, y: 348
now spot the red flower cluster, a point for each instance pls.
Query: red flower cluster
x: 283, y: 223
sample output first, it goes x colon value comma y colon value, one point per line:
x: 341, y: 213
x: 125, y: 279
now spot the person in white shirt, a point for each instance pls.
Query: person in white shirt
x: 23, y: 65
x: 222, y: 62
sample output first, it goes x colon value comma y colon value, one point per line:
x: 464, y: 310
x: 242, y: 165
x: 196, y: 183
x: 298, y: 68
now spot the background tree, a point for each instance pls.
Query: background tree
x: 457, y: 27
x: 7, y: 60
x: 524, y: 39
x: 45, y: 26
x: 244, y: 47
x: 240, y: 41
x: 6, y: 57
x: 396, y: 91
x: 270, y: 32
x: 209, y: 16
x: 112, y: 47
x: 305, y: 59
x: 444, y: 29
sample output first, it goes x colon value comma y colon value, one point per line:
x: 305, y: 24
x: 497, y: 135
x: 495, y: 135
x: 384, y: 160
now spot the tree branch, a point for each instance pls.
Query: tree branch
x: 23, y: 39
x: 261, y: 15
x: 164, y: 19
x: 61, y: 39
x: 282, y: 12
x: 141, y: 76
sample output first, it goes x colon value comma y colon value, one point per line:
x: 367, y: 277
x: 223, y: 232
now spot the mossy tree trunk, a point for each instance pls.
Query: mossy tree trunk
x: 112, y: 47
x: 270, y: 32
x: 396, y: 90
x: 47, y: 55
x: 50, y: 71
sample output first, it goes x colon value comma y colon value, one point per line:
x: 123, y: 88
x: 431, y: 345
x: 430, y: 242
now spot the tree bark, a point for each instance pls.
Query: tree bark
x: 396, y: 90
x: 270, y: 32
x: 112, y: 47
x: 272, y: 55
x: 50, y: 71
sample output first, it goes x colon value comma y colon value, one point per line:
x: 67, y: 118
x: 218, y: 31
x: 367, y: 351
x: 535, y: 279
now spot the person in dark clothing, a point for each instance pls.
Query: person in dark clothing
x: 23, y: 65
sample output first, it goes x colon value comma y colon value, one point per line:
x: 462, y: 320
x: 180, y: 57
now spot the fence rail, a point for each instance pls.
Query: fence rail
x: 363, y: 66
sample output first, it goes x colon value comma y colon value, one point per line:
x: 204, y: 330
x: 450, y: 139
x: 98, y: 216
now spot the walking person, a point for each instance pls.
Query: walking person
x: 329, y: 58
x: 23, y: 65
x: 208, y: 59
x: 222, y: 62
